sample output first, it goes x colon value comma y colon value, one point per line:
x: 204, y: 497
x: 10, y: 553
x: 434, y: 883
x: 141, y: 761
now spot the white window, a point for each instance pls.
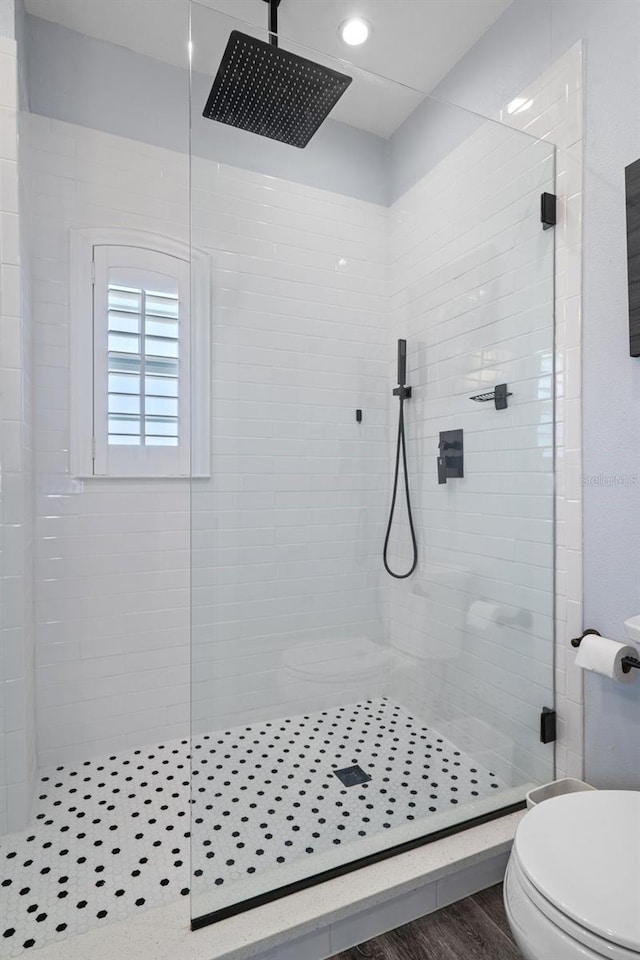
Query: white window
x: 134, y: 330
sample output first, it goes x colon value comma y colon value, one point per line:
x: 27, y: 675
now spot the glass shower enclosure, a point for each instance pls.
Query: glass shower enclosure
x: 340, y: 715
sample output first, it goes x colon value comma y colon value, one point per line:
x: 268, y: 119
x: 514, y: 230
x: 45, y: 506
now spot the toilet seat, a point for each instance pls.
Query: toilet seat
x: 562, y: 845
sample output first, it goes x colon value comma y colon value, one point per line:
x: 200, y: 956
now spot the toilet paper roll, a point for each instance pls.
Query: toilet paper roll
x: 604, y: 656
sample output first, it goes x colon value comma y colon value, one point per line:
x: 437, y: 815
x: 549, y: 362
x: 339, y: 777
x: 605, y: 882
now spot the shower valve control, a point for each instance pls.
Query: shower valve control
x: 451, y: 455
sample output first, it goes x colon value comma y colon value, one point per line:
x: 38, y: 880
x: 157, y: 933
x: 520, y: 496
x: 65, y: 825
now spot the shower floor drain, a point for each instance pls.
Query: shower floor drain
x: 352, y: 776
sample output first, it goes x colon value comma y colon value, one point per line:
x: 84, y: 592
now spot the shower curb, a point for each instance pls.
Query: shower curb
x: 313, y: 924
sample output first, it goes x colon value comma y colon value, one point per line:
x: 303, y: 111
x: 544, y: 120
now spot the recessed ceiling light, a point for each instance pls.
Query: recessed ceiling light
x: 354, y: 31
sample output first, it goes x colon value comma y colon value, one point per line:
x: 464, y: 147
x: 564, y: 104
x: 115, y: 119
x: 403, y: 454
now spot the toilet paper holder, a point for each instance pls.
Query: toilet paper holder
x: 627, y: 662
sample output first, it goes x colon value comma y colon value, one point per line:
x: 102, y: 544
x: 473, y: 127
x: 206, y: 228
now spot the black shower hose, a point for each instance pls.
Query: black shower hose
x: 401, y: 447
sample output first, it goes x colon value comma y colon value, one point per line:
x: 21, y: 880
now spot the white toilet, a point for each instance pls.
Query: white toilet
x: 572, y: 887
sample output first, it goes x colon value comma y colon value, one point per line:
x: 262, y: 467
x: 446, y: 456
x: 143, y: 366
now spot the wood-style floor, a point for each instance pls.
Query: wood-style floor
x: 472, y: 929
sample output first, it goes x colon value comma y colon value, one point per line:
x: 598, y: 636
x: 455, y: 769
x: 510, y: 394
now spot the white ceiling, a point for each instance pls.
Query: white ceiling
x: 413, y: 42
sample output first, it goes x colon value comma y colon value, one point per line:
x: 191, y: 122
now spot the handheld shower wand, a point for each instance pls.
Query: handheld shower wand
x: 403, y: 392
x: 402, y: 365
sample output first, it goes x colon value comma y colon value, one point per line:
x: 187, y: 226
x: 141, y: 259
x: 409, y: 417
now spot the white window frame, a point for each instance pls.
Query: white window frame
x: 90, y: 454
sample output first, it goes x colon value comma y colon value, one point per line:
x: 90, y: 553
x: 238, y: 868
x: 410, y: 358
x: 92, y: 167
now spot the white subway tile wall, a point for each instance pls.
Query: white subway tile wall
x: 17, y: 711
x: 112, y: 557
x: 472, y: 292
x: 287, y: 530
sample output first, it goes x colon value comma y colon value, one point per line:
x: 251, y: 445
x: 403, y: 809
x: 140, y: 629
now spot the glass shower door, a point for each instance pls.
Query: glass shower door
x: 339, y: 715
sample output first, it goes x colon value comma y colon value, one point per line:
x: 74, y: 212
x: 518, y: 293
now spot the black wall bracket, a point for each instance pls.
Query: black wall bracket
x: 548, y: 215
x: 547, y: 725
x: 402, y: 391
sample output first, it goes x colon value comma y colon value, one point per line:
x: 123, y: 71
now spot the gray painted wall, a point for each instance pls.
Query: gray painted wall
x: 81, y: 80
x: 432, y: 131
x: 21, y: 40
x: 529, y: 36
x: 7, y: 18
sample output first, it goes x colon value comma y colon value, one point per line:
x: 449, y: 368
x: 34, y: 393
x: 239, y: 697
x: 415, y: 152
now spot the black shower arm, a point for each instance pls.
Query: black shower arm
x: 273, y: 21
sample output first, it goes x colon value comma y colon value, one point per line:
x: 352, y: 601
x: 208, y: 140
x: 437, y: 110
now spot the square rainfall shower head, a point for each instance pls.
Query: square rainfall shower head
x: 269, y: 91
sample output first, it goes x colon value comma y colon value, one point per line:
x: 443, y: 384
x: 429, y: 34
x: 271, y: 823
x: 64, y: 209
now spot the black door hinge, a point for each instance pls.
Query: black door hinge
x: 547, y: 725
x: 548, y: 210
